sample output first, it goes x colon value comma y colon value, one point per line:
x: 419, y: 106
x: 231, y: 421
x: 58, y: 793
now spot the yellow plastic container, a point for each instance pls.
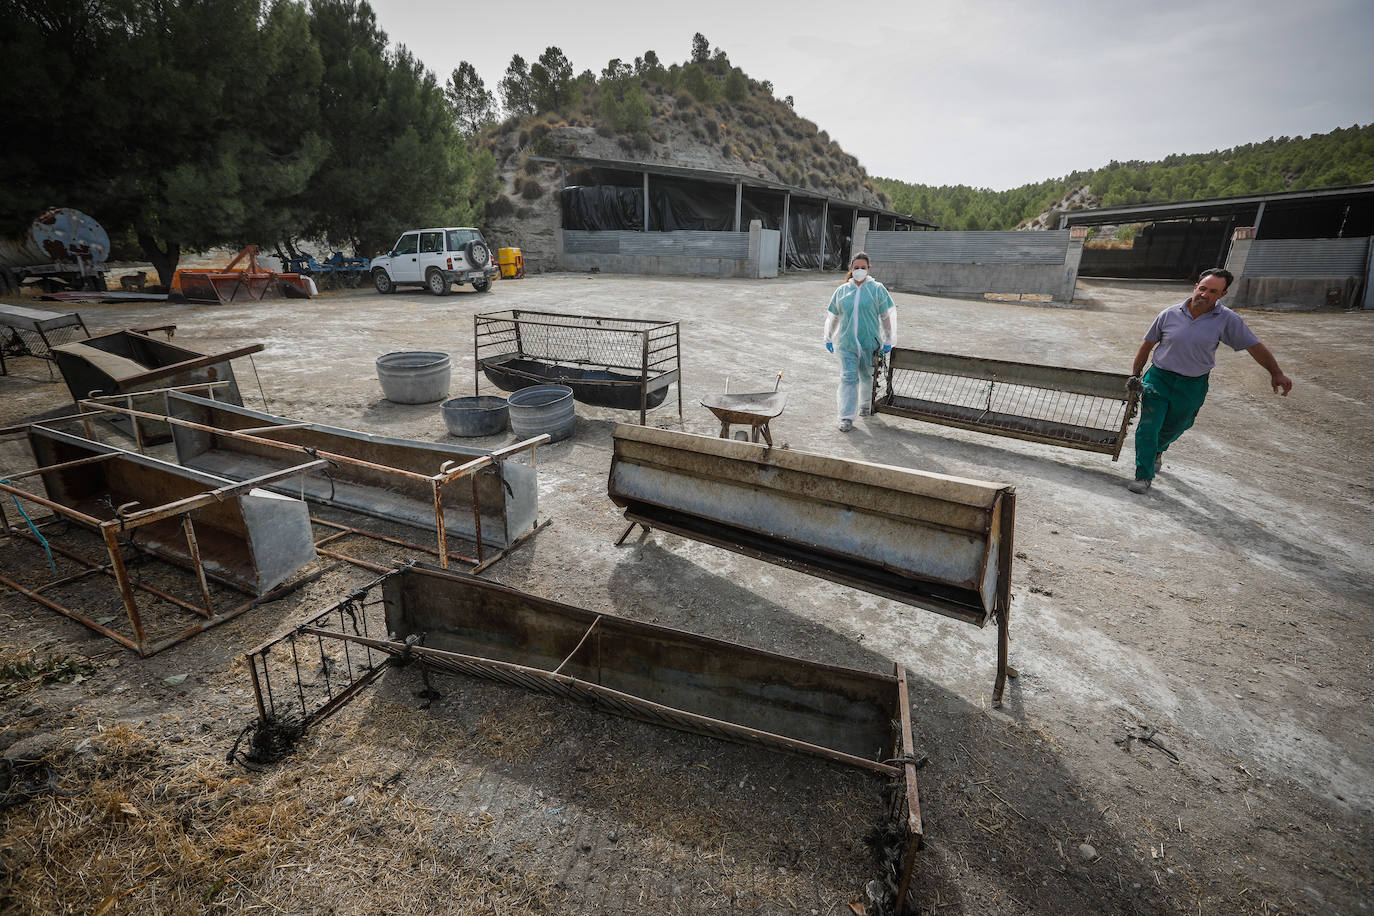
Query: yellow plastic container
x: 512, y: 263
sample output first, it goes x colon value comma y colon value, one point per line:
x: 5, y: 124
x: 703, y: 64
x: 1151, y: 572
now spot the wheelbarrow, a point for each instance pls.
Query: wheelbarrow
x: 753, y: 408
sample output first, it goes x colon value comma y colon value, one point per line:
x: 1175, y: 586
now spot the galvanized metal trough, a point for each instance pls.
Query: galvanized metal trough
x: 929, y: 540
x: 400, y: 480
x: 1075, y: 408
x: 464, y: 625
x: 220, y: 530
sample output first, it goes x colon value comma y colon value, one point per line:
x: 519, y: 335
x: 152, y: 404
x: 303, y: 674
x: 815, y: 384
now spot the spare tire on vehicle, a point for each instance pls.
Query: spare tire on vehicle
x: 478, y: 255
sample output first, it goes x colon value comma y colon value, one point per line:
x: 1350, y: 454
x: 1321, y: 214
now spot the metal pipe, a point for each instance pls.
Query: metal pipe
x: 126, y: 591
x: 194, y: 547
x: 330, y: 456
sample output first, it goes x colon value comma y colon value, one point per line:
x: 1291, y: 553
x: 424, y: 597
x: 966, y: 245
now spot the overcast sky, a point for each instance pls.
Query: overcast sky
x: 989, y: 93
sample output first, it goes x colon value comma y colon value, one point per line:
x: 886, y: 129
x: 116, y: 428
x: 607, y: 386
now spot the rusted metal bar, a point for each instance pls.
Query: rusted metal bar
x: 218, y: 495
x: 68, y: 612
x: 365, y: 564
x: 912, y: 795
x: 345, y: 531
x: 199, y: 362
x: 197, y: 564
x: 108, y: 570
x: 126, y: 591
x: 60, y: 509
x: 440, y: 528
x: 577, y: 648
x: 77, y: 462
x: 331, y: 456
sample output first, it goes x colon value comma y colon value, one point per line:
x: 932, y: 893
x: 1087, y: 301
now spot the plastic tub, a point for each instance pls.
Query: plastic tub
x: 542, y: 409
x: 414, y: 376
x: 486, y: 415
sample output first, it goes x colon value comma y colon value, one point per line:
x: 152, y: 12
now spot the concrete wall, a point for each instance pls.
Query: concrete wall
x: 1299, y: 274
x: 751, y: 254
x: 974, y: 263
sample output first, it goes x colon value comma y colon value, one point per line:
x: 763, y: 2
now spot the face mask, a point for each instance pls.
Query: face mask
x: 859, y: 274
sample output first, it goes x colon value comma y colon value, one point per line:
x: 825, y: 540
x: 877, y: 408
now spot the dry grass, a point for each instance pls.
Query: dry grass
x: 143, y: 828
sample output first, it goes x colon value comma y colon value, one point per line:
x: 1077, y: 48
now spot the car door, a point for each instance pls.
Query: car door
x: 431, y: 251
x: 405, y: 259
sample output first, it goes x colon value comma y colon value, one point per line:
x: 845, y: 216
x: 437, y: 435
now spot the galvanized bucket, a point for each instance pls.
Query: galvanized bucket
x: 485, y: 415
x: 542, y: 409
x: 414, y: 377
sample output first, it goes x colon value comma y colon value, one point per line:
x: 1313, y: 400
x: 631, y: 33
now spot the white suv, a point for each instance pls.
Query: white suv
x: 436, y: 258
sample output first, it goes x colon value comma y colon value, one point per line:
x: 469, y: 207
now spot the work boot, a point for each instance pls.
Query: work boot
x: 1139, y: 485
x: 846, y: 425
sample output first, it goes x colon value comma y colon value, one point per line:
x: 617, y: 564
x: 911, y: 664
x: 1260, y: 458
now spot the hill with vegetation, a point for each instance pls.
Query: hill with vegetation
x: 1344, y: 156
x: 704, y: 113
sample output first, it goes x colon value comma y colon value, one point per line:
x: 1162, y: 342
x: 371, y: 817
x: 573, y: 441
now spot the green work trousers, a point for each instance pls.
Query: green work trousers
x: 1169, y: 403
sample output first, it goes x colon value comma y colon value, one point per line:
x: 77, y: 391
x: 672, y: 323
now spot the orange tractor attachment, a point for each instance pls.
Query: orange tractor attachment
x: 235, y: 283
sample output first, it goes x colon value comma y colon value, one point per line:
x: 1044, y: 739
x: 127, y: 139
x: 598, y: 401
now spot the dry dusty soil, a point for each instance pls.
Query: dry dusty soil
x: 1227, y: 613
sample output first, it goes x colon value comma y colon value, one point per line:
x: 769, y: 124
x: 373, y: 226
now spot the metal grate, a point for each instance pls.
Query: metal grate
x: 1076, y: 408
x: 23, y: 342
x: 302, y: 676
x: 1009, y: 406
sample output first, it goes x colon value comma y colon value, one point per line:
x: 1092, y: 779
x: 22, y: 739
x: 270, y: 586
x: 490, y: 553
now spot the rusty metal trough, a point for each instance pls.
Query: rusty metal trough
x: 233, y: 533
x: 929, y: 540
x: 1075, y: 408
x: 131, y: 363
x: 400, y: 480
x: 464, y: 625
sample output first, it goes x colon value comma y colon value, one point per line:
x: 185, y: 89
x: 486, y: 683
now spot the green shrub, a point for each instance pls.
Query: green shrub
x: 501, y: 206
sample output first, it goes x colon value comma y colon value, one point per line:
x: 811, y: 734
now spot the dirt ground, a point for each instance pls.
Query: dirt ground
x: 1228, y: 612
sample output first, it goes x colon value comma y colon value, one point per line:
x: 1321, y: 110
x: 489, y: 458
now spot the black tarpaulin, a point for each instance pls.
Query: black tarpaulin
x: 602, y: 207
x: 804, y: 236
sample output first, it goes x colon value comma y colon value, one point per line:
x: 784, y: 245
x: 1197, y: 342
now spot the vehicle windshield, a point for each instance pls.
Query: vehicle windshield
x: 457, y: 238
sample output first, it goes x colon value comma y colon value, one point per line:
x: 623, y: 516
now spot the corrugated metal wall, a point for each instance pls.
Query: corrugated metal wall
x: 682, y: 243
x: 969, y: 247
x: 1316, y: 258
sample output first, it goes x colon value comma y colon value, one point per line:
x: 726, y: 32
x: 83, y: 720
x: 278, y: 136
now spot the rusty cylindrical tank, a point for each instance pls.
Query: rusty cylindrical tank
x: 59, y: 236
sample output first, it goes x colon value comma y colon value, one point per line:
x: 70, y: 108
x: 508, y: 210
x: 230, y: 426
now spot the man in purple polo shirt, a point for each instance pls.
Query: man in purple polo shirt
x: 1175, y: 386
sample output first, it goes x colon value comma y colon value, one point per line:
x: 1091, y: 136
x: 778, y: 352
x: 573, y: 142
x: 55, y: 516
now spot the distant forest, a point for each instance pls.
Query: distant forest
x: 1344, y: 156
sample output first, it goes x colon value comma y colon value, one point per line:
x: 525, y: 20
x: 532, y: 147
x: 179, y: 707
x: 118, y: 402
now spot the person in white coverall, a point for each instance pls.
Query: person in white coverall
x: 861, y: 320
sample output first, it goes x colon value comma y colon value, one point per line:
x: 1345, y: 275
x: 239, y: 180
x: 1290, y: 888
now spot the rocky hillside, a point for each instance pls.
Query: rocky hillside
x: 704, y: 114
x: 1080, y: 198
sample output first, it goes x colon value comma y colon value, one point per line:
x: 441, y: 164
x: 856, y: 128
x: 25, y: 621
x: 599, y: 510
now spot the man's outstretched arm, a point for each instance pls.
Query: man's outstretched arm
x: 1282, y: 383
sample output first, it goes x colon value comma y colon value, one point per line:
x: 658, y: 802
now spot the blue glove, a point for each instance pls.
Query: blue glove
x: 830, y: 346
x: 887, y: 348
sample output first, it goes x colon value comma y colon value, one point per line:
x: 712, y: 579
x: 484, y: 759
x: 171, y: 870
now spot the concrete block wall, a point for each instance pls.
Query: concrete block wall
x: 1299, y: 274
x: 974, y: 263
x: 682, y: 254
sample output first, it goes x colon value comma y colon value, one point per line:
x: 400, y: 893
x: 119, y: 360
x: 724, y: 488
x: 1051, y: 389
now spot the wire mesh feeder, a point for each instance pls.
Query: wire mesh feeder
x: 1075, y: 408
x: 623, y: 363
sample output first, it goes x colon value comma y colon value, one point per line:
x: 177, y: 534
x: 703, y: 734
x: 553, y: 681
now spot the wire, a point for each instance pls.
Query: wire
x: 34, y: 528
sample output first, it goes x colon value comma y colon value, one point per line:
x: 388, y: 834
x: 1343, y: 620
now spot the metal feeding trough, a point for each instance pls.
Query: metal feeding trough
x: 929, y: 540
x: 753, y: 409
x: 463, y: 625
x: 1074, y: 408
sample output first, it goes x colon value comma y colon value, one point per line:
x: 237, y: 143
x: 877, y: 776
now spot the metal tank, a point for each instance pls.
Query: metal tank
x: 59, y: 236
